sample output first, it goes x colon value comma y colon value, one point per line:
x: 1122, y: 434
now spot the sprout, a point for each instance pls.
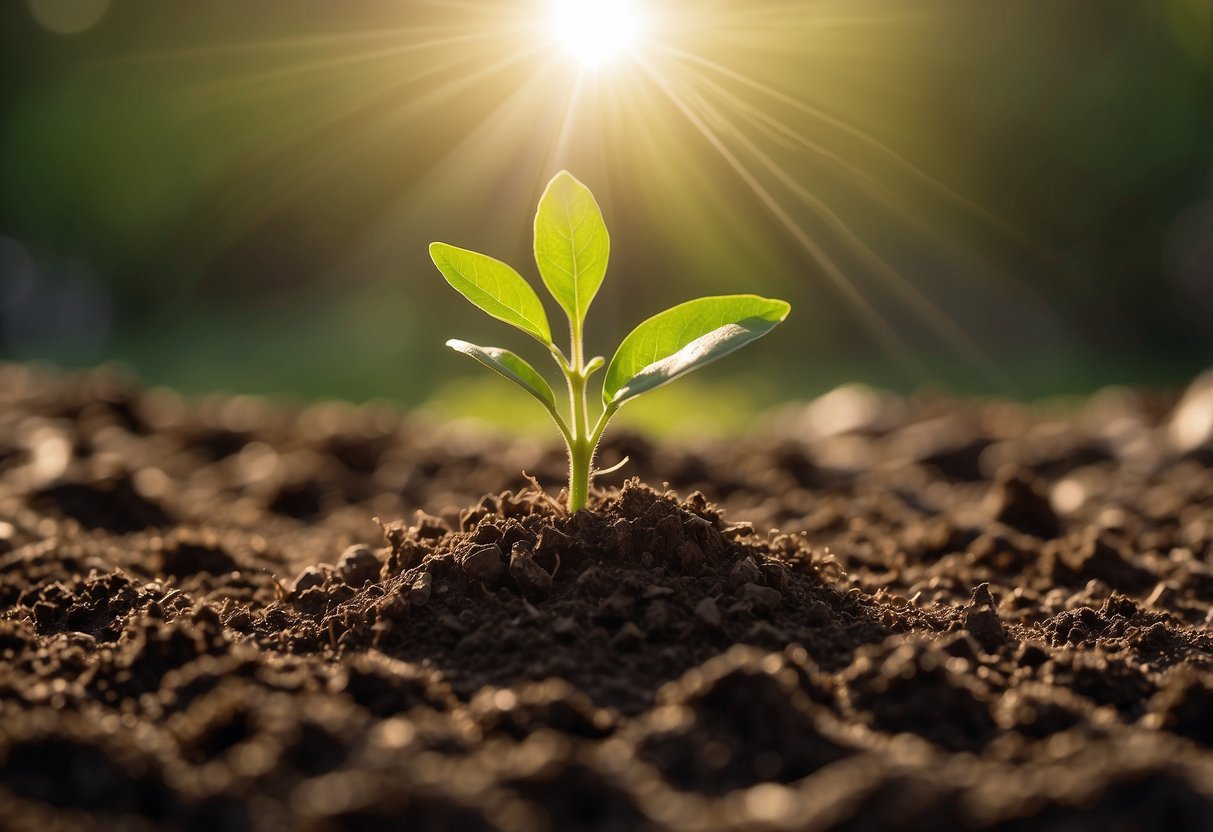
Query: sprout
x: 571, y: 250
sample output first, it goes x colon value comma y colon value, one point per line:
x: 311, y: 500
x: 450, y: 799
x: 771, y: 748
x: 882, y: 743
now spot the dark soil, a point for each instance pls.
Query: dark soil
x: 874, y: 613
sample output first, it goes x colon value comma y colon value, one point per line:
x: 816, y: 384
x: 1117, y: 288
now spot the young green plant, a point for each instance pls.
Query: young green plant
x: 571, y: 251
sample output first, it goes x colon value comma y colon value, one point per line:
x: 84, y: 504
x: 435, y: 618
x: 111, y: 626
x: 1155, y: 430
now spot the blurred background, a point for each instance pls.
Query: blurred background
x: 977, y: 196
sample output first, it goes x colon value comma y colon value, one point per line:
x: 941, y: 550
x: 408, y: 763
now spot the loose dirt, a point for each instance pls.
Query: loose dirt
x: 873, y: 613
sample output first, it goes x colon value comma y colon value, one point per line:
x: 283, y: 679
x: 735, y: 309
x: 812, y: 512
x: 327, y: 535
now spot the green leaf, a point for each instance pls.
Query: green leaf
x: 684, y: 338
x: 511, y: 366
x: 571, y: 245
x: 494, y: 287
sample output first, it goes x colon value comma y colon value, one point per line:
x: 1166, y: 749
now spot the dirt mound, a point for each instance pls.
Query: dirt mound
x: 974, y: 616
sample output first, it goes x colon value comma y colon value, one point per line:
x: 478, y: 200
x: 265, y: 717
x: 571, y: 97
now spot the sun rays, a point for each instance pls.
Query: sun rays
x: 493, y: 97
x: 596, y: 33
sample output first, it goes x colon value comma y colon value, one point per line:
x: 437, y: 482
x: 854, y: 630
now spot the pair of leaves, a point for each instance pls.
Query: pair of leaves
x: 571, y: 250
x: 666, y: 346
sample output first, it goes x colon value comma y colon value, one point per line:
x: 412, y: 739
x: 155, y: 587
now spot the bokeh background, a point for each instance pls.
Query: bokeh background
x: 976, y: 195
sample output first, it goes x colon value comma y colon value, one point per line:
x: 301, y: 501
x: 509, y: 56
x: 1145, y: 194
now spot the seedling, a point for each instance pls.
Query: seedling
x: 571, y: 250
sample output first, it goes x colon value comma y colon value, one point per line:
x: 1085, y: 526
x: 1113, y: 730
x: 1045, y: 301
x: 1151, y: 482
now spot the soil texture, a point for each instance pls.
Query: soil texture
x: 872, y: 613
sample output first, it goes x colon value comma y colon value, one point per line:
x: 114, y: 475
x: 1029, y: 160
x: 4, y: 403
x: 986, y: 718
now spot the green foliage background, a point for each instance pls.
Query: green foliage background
x: 176, y: 194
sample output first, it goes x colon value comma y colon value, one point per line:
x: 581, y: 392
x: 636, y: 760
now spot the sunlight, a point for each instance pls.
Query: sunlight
x: 596, y: 32
x: 718, y: 87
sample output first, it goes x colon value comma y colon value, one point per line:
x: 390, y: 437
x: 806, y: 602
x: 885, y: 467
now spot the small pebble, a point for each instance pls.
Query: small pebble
x: 745, y: 571
x: 483, y: 563
x: 982, y: 621
x: 308, y: 578
x: 422, y: 588
x: 531, y: 579
x: 690, y: 556
x: 357, y: 565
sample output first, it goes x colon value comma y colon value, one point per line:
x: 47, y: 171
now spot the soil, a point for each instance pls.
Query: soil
x: 873, y: 613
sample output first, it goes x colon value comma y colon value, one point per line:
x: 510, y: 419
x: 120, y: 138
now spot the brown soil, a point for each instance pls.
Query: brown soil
x: 873, y: 614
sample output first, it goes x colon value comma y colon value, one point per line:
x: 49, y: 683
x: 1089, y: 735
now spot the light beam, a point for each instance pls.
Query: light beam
x: 596, y: 32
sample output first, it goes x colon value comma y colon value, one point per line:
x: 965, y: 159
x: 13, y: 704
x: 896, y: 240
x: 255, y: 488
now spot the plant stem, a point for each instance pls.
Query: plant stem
x: 581, y: 452
x: 581, y: 447
x: 583, y: 443
x: 600, y: 426
x: 581, y: 456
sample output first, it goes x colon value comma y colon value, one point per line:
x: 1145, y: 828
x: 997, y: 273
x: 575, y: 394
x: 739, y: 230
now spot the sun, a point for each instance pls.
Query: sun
x: 596, y: 32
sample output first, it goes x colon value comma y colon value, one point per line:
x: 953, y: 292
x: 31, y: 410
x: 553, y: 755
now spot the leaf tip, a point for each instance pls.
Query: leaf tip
x: 565, y: 185
x: 438, y: 249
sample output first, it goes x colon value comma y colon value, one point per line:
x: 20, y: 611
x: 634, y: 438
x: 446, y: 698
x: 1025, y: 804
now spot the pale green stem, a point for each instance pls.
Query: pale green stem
x: 565, y: 430
x: 581, y: 449
x: 560, y: 425
x: 575, y: 348
x: 581, y: 453
x: 580, y: 458
x: 607, y: 413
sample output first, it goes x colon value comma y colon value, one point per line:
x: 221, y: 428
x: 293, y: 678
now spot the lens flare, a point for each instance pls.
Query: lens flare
x: 596, y: 32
